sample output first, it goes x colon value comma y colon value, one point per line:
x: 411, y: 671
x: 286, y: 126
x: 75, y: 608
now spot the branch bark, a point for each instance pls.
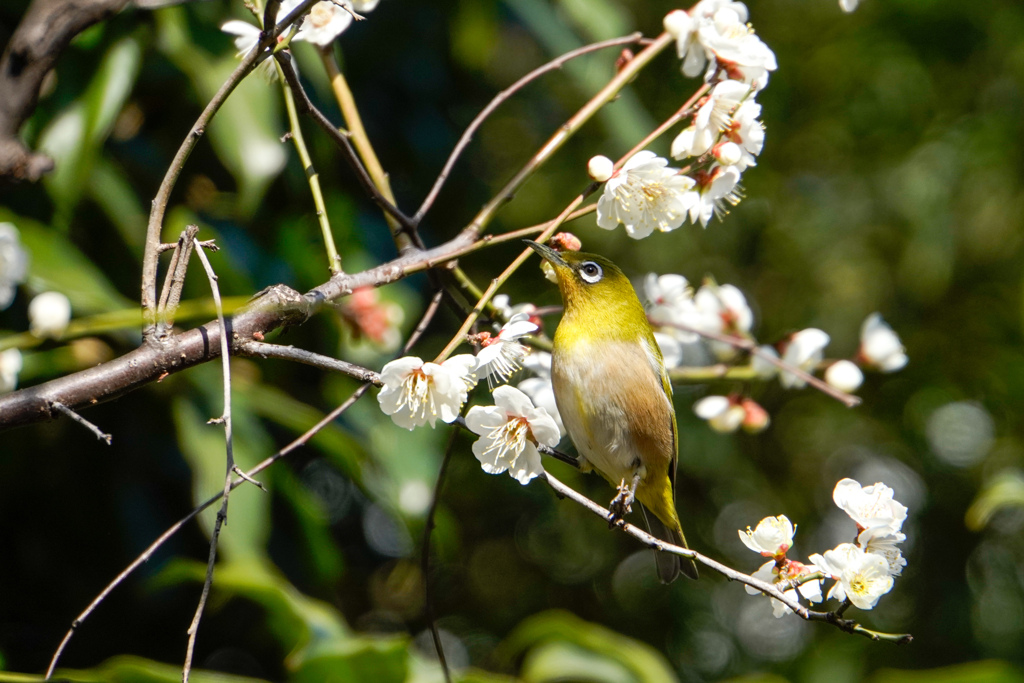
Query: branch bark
x: 45, y: 30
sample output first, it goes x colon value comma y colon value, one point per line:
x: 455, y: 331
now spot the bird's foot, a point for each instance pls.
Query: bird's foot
x: 621, y: 504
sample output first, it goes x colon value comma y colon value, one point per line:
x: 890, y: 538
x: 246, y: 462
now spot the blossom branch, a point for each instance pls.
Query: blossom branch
x: 567, y: 130
x: 316, y: 360
x: 833, y: 618
x: 750, y: 346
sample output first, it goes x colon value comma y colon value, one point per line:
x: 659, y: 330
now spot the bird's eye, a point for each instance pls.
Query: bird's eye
x: 591, y: 272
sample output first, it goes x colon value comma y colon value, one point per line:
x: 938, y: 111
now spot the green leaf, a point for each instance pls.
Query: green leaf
x: 74, y: 139
x: 306, y: 627
x: 554, y: 642
x: 381, y: 660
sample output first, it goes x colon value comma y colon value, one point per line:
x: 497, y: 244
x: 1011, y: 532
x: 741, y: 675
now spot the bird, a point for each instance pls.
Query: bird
x: 614, y: 396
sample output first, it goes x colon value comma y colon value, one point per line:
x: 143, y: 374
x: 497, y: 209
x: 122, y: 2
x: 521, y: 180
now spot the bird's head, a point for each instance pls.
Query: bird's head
x: 591, y: 285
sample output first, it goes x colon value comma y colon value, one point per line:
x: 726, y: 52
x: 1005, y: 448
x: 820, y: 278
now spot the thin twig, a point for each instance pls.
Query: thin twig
x: 425, y: 558
x: 312, y: 177
x: 100, y: 434
x: 498, y: 100
x: 225, y: 419
x: 768, y: 589
x: 265, y: 350
x: 341, y: 139
x: 174, y: 282
x: 751, y: 347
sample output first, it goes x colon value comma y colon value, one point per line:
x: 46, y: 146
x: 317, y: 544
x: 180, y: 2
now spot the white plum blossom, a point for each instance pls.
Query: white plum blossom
x: 723, y: 413
x: 844, y: 376
x: 870, y: 506
x: 773, y: 536
x: 600, y: 168
x: 645, y: 195
x: 49, y: 314
x: 714, y: 188
x: 416, y: 393
x: 539, y: 388
x: 805, y: 350
x: 325, y: 22
x: 510, y: 431
x: 670, y: 302
x: 747, y: 132
x: 736, y: 48
x: 10, y: 366
x: 774, y: 573
x: 881, y: 540
x: 681, y: 26
x: 502, y: 354
x: 880, y: 346
x: 13, y: 263
x: 861, y: 577
x: 848, y: 5
x: 726, y: 306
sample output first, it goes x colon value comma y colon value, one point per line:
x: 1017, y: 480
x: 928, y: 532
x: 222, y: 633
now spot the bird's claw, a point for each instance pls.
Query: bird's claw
x: 621, y: 504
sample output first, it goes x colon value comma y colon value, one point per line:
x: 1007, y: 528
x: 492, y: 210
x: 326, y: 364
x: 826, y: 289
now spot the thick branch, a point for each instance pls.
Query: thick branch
x: 45, y: 30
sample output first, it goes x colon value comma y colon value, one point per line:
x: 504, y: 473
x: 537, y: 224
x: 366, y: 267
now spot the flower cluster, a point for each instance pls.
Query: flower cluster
x: 723, y: 138
x: 416, y: 393
x: 683, y: 316
x: 373, y: 318
x: 863, y: 571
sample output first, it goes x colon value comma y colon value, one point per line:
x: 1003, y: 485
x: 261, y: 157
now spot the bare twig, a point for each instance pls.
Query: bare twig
x: 100, y: 434
x: 264, y: 350
x: 751, y: 347
x: 498, y: 100
x: 174, y: 282
x: 176, y: 527
x: 833, y: 618
x: 225, y: 419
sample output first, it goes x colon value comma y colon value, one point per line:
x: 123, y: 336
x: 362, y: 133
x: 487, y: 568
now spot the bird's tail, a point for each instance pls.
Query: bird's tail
x: 669, y: 564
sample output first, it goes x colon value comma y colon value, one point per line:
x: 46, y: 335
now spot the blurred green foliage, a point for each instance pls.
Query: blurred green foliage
x: 891, y: 180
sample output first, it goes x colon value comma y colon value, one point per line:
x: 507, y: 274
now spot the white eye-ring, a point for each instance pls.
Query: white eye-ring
x: 591, y: 272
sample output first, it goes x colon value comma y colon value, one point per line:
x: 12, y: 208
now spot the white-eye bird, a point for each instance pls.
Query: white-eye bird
x: 614, y: 395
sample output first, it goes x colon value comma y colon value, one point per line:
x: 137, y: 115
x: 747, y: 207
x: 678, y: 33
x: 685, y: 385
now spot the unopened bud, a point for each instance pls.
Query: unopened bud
x: 49, y: 314
x: 728, y: 153
x: 844, y: 376
x: 755, y: 418
x: 600, y: 168
x: 565, y: 241
x: 677, y: 22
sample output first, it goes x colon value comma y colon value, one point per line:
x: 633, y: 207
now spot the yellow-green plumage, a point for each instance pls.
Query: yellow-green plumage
x: 613, y: 393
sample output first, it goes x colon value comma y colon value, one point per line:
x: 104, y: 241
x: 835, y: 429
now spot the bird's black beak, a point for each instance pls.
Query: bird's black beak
x: 547, y: 253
